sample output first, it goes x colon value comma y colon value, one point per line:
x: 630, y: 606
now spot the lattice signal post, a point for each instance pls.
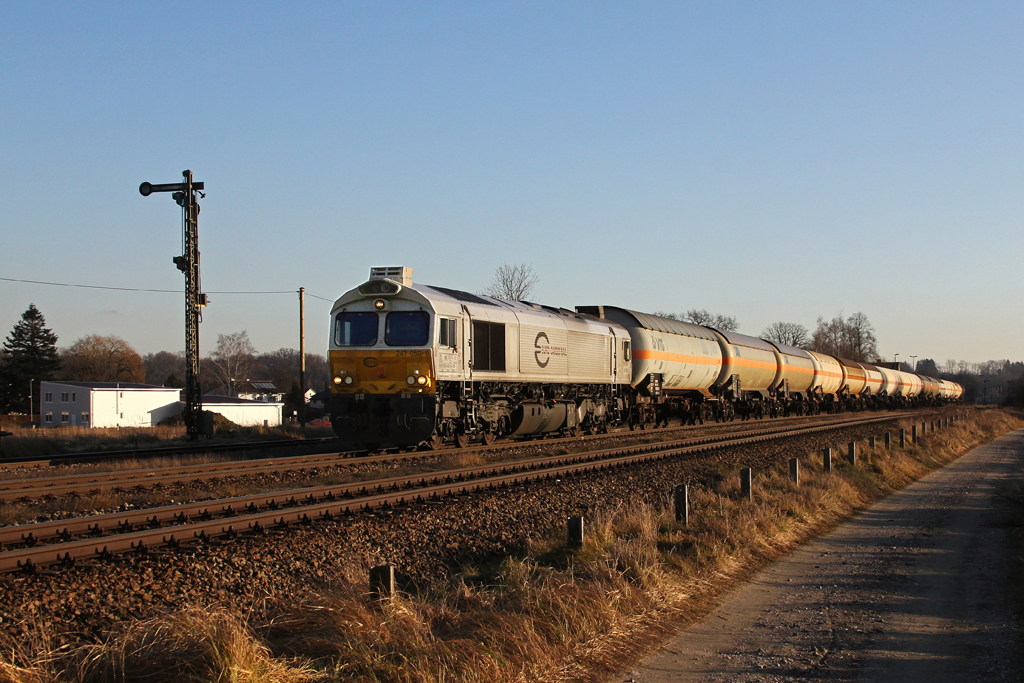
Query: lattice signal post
x: 188, y: 263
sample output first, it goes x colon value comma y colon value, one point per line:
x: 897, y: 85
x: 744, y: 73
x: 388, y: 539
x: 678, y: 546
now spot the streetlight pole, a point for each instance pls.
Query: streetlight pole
x: 913, y: 363
x: 302, y: 356
x: 31, y: 403
x: 896, y: 360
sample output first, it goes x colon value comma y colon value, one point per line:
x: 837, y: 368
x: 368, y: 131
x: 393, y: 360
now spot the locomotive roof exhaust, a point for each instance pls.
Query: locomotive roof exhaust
x: 399, y: 274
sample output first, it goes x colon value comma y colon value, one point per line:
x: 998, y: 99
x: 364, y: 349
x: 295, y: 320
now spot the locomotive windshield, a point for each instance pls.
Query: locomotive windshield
x: 406, y: 328
x: 355, y: 329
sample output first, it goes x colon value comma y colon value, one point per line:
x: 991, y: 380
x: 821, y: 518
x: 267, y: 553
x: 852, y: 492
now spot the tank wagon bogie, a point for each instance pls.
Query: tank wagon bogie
x: 422, y: 365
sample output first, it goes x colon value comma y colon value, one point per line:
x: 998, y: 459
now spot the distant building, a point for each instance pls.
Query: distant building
x: 126, y: 404
x: 106, y: 404
x: 259, y: 390
x: 245, y: 412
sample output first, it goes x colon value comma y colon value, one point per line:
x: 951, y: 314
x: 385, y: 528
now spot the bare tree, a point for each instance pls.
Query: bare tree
x: 792, y: 334
x: 852, y: 338
x: 233, y: 360
x: 723, y: 323
x: 95, y: 358
x: 512, y: 283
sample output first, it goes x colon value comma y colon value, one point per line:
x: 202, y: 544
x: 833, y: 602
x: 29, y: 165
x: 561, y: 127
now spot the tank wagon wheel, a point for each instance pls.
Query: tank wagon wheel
x: 489, y: 438
x: 434, y: 442
x: 462, y: 440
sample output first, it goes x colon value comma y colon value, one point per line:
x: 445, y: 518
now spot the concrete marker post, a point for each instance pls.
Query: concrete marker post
x: 913, y: 435
x: 682, y: 504
x: 851, y: 453
x: 746, y: 488
x: 826, y: 459
x: 794, y: 470
x: 903, y: 438
x: 871, y: 442
x: 888, y: 441
x: 574, y: 531
x: 382, y: 581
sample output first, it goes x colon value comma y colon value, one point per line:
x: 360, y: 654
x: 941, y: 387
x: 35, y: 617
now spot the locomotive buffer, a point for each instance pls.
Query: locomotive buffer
x: 188, y: 263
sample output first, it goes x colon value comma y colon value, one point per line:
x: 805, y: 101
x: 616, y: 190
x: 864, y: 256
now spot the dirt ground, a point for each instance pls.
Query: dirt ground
x: 914, y: 589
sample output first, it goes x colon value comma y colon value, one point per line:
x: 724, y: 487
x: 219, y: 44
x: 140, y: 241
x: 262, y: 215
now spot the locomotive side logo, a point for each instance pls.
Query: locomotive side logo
x: 545, y: 350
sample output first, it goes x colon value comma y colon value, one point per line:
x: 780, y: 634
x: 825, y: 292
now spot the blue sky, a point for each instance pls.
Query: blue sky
x: 771, y: 161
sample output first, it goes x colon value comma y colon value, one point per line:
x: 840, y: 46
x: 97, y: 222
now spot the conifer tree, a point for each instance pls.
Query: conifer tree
x: 29, y: 353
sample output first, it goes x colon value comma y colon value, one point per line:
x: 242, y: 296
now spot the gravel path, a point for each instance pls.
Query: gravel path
x: 913, y: 589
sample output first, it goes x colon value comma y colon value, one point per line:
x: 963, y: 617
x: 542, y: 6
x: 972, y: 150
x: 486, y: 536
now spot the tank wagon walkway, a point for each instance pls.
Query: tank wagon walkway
x: 913, y: 589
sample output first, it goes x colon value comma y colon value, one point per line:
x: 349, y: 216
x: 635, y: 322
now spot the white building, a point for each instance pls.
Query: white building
x: 106, y: 404
x: 245, y: 412
x: 126, y: 404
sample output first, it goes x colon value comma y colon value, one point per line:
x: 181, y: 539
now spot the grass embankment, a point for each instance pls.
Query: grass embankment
x: 557, y: 613
x: 41, y: 442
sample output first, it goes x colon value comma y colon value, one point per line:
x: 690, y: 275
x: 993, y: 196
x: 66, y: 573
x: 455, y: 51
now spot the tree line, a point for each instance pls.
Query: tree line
x: 30, y: 354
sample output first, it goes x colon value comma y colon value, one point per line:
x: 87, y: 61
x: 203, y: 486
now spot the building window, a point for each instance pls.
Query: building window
x: 65, y: 418
x: 64, y: 397
x: 49, y: 397
x: 49, y: 417
x: 74, y: 396
x: 85, y: 418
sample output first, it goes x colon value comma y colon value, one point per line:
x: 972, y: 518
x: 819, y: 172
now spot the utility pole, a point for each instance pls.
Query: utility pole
x: 188, y: 263
x: 302, y: 356
x: 31, y: 402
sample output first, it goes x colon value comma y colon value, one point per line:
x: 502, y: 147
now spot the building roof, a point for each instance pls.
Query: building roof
x: 133, y: 386
x: 222, y: 400
x: 261, y: 385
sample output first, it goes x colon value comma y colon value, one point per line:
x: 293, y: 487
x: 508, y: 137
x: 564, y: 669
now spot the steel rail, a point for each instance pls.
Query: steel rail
x: 154, y: 517
x: 391, y: 491
x: 29, y: 487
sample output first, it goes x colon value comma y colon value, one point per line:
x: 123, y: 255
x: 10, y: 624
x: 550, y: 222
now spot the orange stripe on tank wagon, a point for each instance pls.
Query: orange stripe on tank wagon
x: 647, y: 354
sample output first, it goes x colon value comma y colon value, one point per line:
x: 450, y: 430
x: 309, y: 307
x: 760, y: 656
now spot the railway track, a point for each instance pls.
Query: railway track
x: 61, y: 542
x: 120, y: 480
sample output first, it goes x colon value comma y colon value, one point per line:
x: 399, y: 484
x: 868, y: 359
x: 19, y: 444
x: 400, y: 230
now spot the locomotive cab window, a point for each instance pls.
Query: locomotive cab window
x: 447, y: 334
x: 355, y: 329
x: 406, y: 328
x: 625, y: 351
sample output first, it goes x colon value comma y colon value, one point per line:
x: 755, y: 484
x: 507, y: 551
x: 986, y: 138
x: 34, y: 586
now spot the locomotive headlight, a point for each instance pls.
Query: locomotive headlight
x: 411, y: 379
x: 379, y: 304
x: 337, y: 380
x: 349, y: 380
x: 421, y: 380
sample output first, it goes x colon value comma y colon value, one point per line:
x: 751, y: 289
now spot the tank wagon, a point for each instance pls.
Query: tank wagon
x: 414, y: 364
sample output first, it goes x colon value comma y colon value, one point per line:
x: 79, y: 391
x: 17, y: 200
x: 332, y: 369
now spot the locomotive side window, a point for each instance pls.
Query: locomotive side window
x: 355, y: 329
x: 406, y: 328
x: 447, y: 334
x: 489, y: 346
x: 625, y: 351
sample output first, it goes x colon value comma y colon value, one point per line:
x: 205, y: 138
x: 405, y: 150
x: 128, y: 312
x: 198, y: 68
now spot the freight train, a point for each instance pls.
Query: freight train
x: 416, y: 365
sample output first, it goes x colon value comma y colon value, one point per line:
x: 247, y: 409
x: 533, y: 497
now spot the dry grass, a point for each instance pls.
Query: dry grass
x: 27, y: 442
x: 558, y: 613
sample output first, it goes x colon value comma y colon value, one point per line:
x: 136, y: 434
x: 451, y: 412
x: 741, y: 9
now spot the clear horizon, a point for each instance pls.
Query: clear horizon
x: 772, y: 163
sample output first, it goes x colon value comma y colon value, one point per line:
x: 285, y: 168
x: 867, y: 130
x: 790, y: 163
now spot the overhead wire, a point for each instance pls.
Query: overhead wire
x: 159, y: 291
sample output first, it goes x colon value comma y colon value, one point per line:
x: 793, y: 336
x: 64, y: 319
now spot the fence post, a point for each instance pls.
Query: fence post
x: 888, y: 441
x: 851, y: 453
x: 794, y: 470
x: 913, y: 435
x: 826, y: 459
x: 903, y: 438
x: 382, y: 581
x: 745, y: 483
x: 871, y: 442
x: 574, y: 531
x: 682, y: 501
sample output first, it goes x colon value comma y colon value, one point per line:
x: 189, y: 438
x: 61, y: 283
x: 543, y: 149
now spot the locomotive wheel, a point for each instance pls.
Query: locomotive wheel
x: 489, y: 438
x: 435, y: 442
x: 462, y: 440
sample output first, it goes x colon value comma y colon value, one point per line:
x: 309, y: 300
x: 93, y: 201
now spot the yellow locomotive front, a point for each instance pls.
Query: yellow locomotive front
x: 384, y: 387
